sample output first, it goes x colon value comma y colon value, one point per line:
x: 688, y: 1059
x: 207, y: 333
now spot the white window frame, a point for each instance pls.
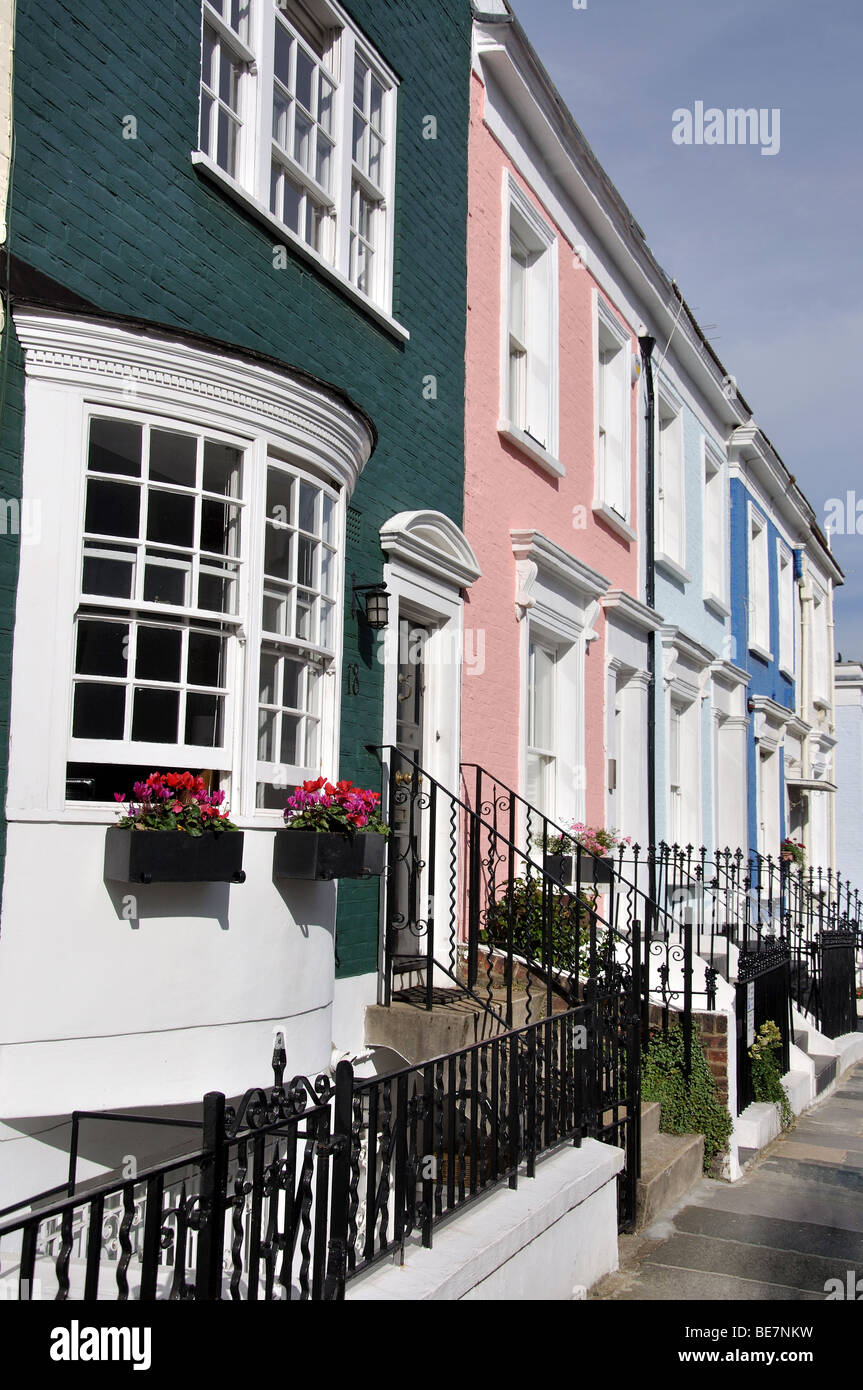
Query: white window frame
x: 612, y: 497
x: 670, y: 484
x: 820, y: 648
x: 77, y: 369
x: 250, y: 182
x: 785, y: 591
x: 758, y: 575
x: 549, y: 756
x: 535, y: 424
x: 715, y: 525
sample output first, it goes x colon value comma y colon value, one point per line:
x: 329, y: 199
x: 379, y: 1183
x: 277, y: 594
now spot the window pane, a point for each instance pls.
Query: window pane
x: 290, y: 744
x: 106, y: 575
x: 328, y: 573
x: 158, y: 654
x: 155, y: 715
x: 303, y: 130
x: 376, y: 105
x: 292, y: 204
x: 229, y: 80
x: 173, y: 458
x: 112, y: 509
x: 115, y: 447
x: 219, y: 528
x: 226, y: 143
x: 322, y: 164
x: 99, y: 711
x: 305, y: 76
x: 306, y: 557
x: 278, y: 553
x: 328, y: 625
x: 308, y: 508
x: 360, y: 71
x: 279, y: 496
x: 268, y: 684
x: 325, y: 105
x: 204, y: 136
x: 267, y: 737
x: 281, y: 114
x: 206, y: 652
x: 217, y: 589
x: 282, y: 55
x: 359, y: 141
x: 171, y: 518
x: 166, y: 580
x: 293, y: 684
x: 204, y: 719
x: 221, y: 469
x: 275, y: 617
x: 329, y: 519
x: 311, y: 757
x: 208, y: 66
x: 102, y: 648
x: 305, y: 618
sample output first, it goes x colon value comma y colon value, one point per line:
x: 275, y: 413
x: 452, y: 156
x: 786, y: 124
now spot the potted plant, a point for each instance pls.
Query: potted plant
x: 595, y: 865
x: 793, y: 852
x: 174, y: 830
x: 331, y: 831
x: 557, y: 859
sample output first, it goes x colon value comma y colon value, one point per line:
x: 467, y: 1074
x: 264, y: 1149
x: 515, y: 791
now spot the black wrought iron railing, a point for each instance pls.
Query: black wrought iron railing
x: 257, y: 1211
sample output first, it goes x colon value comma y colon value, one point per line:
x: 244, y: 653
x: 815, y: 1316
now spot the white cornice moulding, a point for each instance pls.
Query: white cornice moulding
x: 553, y: 559
x: 622, y: 607
x: 430, y: 541
x: 139, y: 369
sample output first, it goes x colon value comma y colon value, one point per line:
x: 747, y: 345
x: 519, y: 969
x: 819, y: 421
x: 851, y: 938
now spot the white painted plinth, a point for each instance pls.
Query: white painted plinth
x: 551, y: 1239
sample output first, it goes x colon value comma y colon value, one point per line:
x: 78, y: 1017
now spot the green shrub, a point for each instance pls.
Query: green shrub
x: 692, y: 1109
x: 767, y: 1085
x: 566, y: 916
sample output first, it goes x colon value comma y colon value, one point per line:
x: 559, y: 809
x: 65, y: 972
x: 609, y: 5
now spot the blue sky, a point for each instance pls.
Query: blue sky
x: 769, y: 249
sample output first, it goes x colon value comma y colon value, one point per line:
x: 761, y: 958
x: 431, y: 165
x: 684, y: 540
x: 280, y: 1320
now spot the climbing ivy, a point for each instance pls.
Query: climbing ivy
x: 686, y: 1109
x: 767, y: 1071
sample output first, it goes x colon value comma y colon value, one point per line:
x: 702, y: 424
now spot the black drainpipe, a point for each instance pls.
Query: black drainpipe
x: 647, y: 345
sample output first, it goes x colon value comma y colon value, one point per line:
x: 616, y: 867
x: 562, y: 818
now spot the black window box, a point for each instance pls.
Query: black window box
x: 172, y: 856
x: 323, y: 855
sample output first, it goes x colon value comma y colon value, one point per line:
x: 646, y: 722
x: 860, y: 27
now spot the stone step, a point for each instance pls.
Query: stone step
x: 651, y: 1114
x: 456, y: 1021
x: 825, y: 1071
x: 671, y: 1165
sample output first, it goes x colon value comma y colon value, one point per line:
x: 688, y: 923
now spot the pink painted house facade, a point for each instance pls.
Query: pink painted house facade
x: 552, y: 483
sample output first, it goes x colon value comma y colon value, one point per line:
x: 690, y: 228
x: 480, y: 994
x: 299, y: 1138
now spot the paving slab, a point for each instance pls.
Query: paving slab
x: 794, y: 1221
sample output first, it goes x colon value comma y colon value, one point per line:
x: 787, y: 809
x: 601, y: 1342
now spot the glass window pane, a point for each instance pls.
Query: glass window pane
x: 329, y: 519
x: 303, y: 143
x: 166, y: 580
x: 219, y: 527
x: 325, y: 105
x: 112, y: 509
x: 269, y: 677
x: 359, y: 143
x: 292, y: 204
x: 221, y: 469
x: 322, y: 164
x: 282, y: 55
x: 275, y: 614
x: 278, y: 552
x: 328, y: 573
x: 293, y: 684
x: 99, y: 711
x: 157, y: 654
x: 375, y: 159
x: 290, y: 743
x: 360, y: 71
x: 313, y: 692
x: 306, y: 566
x: 266, y: 736
x: 376, y: 104
x: 206, y: 654
x: 308, y: 508
x: 305, y: 618
x: 311, y: 757
x: 226, y: 142
x: 204, y: 135
x: 204, y: 719
x: 208, y: 65
x: 102, y: 648
x: 115, y: 447
x: 154, y: 716
x: 173, y: 458
x: 328, y: 625
x: 281, y: 113
x: 170, y: 518
x: 229, y: 80
x: 305, y: 76
x: 217, y: 589
x: 110, y: 574
x: 279, y: 496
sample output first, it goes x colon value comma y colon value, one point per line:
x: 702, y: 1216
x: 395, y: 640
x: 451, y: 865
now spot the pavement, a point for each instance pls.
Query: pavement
x: 790, y: 1225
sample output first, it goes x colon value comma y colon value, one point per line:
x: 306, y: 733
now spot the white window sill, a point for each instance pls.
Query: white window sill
x: 672, y: 567
x: 786, y: 671
x: 614, y: 520
x: 546, y: 461
x: 763, y: 652
x: 717, y: 606
x: 205, y: 166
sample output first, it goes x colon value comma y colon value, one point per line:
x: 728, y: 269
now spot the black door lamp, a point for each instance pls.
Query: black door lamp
x: 377, y: 598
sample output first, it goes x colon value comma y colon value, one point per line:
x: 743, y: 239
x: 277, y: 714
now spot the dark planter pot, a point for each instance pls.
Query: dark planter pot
x: 559, y: 866
x: 595, y: 872
x: 172, y: 856
x: 323, y: 855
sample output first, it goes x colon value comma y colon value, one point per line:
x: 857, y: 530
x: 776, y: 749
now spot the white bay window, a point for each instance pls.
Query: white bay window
x: 200, y: 611
x: 299, y: 112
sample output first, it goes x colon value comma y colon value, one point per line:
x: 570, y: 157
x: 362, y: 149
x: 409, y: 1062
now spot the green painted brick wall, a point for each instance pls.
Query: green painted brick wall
x: 130, y: 226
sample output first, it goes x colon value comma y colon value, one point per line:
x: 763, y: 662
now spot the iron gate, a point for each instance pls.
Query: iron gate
x: 763, y: 995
